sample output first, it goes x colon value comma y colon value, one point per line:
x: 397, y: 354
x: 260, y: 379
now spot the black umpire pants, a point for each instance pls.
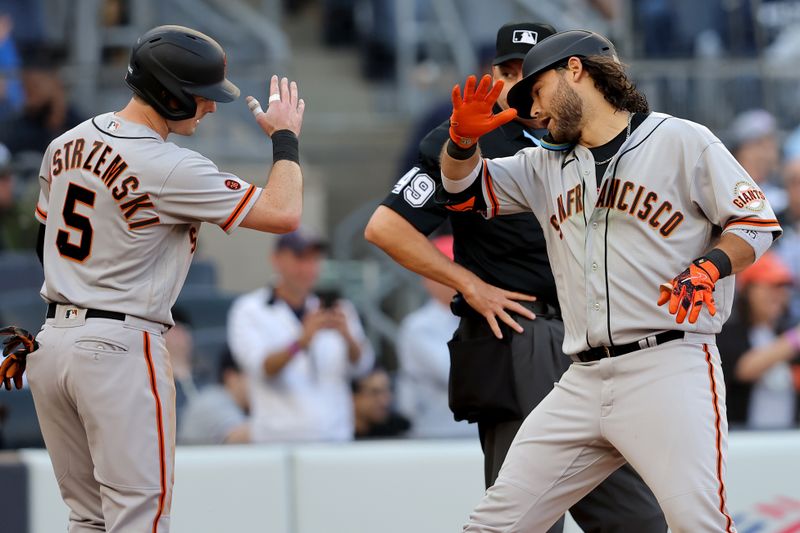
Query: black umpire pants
x: 622, y: 503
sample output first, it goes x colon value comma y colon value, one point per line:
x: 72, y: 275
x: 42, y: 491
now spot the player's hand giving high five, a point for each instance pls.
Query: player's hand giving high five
x: 284, y: 108
x: 473, y: 115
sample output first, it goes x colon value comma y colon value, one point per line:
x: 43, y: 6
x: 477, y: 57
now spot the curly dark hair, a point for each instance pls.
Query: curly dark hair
x: 611, y: 79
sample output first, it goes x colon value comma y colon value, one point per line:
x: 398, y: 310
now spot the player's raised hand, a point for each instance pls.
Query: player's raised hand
x: 493, y: 303
x: 690, y: 290
x: 473, y: 114
x: 284, y: 108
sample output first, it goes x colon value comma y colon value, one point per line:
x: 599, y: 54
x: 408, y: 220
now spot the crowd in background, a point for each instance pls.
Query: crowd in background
x: 299, y: 366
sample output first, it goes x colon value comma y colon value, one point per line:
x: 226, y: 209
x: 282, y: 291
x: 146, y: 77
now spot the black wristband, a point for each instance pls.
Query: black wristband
x: 456, y: 152
x: 720, y: 260
x: 285, y: 146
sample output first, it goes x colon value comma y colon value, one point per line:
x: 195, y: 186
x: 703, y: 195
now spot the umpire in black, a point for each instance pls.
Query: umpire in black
x: 502, y: 363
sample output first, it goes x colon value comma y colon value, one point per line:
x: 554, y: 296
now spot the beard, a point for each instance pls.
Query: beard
x: 568, y: 111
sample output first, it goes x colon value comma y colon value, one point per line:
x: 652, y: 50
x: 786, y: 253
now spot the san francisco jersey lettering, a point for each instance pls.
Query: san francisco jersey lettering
x: 672, y: 191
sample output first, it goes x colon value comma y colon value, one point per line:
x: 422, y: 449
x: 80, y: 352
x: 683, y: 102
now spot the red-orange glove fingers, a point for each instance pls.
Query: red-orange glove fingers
x: 675, y: 299
x: 469, y: 89
x: 697, y: 306
x: 503, y: 117
x: 494, y: 93
x: 665, y: 290
x: 711, y: 304
x: 456, y: 97
x: 482, y: 91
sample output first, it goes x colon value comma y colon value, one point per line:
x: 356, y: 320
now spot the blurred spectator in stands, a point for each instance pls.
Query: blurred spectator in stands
x: 754, y: 143
x: 18, y: 228
x: 46, y: 113
x: 788, y: 247
x: 218, y: 414
x: 11, y: 95
x: 180, y: 346
x: 372, y: 407
x: 298, y: 350
x: 424, y: 361
x: 757, y: 350
x: 28, y: 20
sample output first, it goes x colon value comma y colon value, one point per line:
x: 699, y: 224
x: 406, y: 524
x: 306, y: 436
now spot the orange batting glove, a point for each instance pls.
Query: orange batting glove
x: 16, y: 349
x: 691, y: 289
x: 472, y: 115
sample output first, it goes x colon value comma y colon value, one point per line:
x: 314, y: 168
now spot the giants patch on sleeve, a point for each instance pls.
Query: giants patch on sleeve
x: 233, y: 185
x: 748, y: 196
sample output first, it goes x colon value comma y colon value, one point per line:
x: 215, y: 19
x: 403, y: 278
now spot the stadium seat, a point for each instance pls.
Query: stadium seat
x: 24, y: 308
x: 20, y: 270
x: 205, y: 308
x: 20, y: 428
x: 201, y: 274
x: 209, y: 344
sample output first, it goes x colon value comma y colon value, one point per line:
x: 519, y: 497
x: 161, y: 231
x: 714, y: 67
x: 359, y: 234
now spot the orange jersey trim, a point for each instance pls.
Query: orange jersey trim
x: 718, y: 430
x: 490, y: 189
x: 162, y: 460
x: 239, y: 207
x: 463, y: 206
x: 41, y: 212
x: 752, y: 221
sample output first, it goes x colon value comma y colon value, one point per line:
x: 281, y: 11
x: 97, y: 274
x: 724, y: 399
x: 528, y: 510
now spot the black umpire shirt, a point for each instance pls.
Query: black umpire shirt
x: 507, y: 251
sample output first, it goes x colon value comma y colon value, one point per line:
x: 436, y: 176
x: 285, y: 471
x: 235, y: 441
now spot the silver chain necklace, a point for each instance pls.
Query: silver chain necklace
x: 627, y: 135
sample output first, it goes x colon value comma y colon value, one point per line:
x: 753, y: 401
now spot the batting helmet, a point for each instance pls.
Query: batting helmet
x: 171, y: 64
x: 547, y: 54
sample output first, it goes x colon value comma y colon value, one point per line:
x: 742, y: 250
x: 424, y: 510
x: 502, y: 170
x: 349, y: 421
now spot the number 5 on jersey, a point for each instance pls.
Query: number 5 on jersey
x: 81, y: 251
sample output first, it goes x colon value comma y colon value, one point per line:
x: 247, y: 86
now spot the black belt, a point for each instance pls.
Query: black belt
x: 601, y: 352
x: 90, y: 313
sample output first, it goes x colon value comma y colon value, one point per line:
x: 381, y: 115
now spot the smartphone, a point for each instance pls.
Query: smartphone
x: 328, y: 298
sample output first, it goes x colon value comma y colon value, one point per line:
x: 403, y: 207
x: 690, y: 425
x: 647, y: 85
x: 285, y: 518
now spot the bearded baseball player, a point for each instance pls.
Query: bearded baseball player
x: 640, y: 210
x: 509, y: 253
x: 121, y: 209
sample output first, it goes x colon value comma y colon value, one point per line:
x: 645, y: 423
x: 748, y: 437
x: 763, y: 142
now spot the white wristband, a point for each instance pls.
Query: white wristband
x: 457, y: 186
x: 760, y: 241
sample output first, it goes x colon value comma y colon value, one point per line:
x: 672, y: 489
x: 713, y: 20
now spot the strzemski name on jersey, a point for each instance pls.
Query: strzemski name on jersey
x: 624, y: 196
x: 100, y: 160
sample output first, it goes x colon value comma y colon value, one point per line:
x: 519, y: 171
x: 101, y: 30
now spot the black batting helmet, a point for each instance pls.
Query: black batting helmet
x: 547, y: 54
x: 171, y: 64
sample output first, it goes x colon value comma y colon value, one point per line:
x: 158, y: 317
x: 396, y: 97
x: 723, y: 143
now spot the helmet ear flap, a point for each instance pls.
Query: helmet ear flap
x: 172, y: 103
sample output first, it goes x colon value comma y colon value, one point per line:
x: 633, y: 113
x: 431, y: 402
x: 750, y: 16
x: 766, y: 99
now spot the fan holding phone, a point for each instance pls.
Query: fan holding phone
x: 299, y: 347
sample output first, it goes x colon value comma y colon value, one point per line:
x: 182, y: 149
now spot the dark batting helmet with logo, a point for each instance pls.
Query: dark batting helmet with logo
x: 169, y: 65
x: 548, y: 53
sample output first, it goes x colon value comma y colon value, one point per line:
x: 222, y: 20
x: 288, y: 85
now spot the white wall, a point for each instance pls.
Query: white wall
x: 393, y: 487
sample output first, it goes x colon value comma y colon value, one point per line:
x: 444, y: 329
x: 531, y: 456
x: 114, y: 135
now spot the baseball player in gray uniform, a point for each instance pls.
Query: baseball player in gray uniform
x: 629, y: 201
x: 121, y: 210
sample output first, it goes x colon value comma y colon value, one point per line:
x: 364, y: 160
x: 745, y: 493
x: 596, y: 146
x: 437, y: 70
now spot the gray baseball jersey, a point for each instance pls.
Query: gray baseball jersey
x: 667, y: 196
x: 123, y: 210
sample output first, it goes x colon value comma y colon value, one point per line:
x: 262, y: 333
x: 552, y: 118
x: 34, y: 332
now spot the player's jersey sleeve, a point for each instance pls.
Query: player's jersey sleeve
x: 196, y: 190
x: 727, y: 195
x: 44, y: 189
x: 497, y: 187
x: 413, y: 198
